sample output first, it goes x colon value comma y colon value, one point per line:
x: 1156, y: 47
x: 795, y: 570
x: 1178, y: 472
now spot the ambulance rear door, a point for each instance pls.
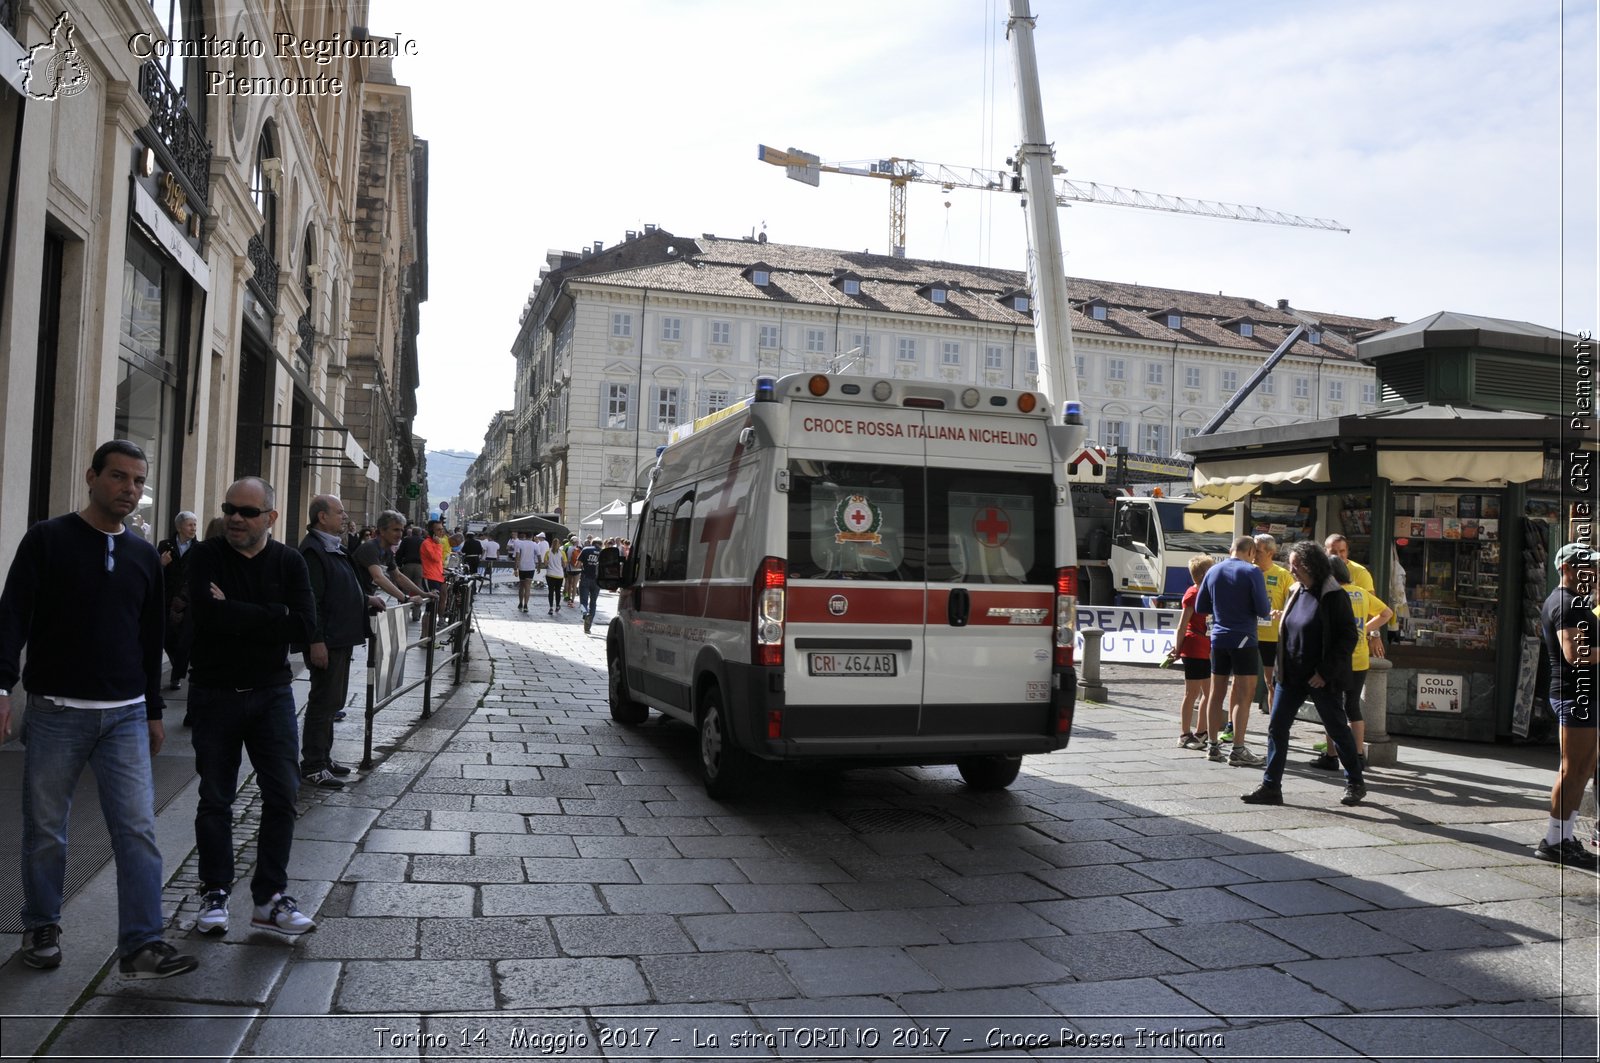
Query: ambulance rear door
x: 854, y: 658
x: 992, y: 544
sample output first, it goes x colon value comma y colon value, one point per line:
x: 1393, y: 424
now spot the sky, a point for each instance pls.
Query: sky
x: 1456, y: 141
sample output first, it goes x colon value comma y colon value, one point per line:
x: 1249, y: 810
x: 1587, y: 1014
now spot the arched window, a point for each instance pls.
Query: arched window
x: 183, y: 21
x: 308, y: 267
x: 265, y: 177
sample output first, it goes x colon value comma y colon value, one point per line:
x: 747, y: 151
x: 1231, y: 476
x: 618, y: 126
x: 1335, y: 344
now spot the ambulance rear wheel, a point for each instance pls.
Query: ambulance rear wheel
x: 722, y: 763
x: 989, y: 773
x: 624, y: 709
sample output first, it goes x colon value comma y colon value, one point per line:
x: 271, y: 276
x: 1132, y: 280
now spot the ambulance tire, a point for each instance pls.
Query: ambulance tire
x: 624, y: 709
x: 989, y: 773
x: 722, y: 763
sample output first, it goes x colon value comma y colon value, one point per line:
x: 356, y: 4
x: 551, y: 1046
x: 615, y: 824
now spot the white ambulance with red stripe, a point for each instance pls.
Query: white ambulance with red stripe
x: 859, y: 571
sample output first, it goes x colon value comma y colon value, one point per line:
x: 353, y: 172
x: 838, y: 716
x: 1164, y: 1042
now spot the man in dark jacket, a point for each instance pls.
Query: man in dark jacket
x: 341, y: 626
x: 251, y: 599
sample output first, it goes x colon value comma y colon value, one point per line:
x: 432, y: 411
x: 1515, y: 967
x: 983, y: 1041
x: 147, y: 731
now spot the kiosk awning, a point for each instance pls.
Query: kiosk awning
x: 1466, y: 466
x: 1232, y: 479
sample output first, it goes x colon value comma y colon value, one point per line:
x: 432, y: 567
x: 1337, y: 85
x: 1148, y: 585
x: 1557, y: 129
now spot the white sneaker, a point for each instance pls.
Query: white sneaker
x: 281, y: 915
x: 213, y: 913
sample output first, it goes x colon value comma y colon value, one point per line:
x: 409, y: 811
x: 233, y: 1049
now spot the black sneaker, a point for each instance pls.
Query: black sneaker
x: 1578, y: 856
x: 158, y: 959
x: 1353, y: 793
x: 41, y: 947
x: 1568, y: 852
x: 338, y: 769
x: 1264, y: 795
x: 325, y: 779
x: 588, y: 622
x: 1325, y: 761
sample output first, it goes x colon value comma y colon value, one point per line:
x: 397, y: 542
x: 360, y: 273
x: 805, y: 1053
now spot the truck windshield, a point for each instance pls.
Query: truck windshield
x: 913, y: 524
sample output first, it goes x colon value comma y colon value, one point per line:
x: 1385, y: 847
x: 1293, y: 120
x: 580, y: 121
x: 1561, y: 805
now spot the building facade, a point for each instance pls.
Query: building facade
x: 186, y: 259
x: 618, y: 345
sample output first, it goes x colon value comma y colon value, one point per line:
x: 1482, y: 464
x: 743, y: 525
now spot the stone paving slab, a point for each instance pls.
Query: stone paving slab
x: 1115, y: 887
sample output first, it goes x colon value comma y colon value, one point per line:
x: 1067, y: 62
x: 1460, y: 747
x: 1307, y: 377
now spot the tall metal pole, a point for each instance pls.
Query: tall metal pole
x: 1035, y: 161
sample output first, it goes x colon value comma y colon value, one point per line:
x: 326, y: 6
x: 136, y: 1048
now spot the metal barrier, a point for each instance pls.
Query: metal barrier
x: 456, y: 616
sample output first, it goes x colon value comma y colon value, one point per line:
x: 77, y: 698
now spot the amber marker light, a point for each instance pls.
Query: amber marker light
x: 818, y: 385
x: 1026, y: 402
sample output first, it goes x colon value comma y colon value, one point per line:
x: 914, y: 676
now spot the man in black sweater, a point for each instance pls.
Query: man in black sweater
x: 252, y: 599
x: 86, y: 598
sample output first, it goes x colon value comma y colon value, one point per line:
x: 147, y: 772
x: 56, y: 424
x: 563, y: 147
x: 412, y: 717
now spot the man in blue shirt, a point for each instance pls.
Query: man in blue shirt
x: 87, y: 599
x: 1234, y: 593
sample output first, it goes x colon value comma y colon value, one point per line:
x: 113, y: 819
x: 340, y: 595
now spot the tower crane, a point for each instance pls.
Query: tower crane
x: 808, y: 168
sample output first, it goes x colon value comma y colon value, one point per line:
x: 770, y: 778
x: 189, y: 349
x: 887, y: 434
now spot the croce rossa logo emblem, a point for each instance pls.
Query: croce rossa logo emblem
x: 54, y: 70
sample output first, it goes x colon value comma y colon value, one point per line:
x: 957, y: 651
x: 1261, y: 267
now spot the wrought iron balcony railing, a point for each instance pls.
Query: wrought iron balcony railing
x: 178, y: 136
x: 265, y: 281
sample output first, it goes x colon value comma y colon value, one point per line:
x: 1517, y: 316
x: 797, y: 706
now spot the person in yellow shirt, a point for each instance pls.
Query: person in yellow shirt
x: 1371, y: 614
x: 1338, y: 546
x: 1278, y: 583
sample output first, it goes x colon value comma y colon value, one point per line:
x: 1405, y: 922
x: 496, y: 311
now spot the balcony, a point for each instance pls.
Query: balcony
x: 178, y: 137
x: 265, y: 281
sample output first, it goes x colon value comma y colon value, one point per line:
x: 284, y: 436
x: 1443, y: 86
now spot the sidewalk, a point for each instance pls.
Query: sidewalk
x: 524, y: 870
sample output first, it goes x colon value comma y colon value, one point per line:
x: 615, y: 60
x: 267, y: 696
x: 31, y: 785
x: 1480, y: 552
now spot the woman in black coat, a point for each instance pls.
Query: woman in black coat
x: 1315, y: 640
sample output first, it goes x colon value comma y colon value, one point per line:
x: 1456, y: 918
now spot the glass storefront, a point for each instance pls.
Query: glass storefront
x: 149, y: 374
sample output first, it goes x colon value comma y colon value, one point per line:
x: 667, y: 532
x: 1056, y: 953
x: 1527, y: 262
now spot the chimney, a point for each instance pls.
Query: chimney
x: 649, y: 227
x: 1283, y: 304
x: 599, y: 245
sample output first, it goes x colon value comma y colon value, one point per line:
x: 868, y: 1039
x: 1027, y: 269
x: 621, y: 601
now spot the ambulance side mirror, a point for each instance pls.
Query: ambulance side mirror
x: 610, y: 568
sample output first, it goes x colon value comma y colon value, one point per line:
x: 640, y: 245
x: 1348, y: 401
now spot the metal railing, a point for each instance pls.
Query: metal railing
x: 176, y: 132
x: 446, y: 622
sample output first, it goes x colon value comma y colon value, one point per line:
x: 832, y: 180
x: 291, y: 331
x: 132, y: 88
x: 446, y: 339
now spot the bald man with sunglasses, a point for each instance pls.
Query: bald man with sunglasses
x: 252, y: 600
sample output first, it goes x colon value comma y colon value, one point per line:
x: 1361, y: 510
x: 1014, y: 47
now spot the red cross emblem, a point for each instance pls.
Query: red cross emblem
x: 992, y: 525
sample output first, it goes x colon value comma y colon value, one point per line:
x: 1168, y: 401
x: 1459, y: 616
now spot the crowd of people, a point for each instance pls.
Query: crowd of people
x: 227, y: 609
x: 96, y: 607
x: 1312, y: 630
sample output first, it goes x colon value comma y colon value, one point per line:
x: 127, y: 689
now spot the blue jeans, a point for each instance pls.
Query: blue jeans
x: 115, y: 743
x: 588, y: 596
x: 259, y: 722
x: 1329, y: 704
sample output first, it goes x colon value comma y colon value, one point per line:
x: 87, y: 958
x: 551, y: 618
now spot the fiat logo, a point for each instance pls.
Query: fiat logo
x: 837, y: 605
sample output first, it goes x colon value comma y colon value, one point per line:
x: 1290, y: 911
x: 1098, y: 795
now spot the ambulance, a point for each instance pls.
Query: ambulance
x: 855, y: 571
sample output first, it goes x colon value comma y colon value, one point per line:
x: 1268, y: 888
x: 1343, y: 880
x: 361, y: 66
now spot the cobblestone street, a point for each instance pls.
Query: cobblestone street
x: 518, y: 876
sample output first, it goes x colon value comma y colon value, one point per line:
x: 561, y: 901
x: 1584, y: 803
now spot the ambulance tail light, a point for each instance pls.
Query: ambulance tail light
x: 818, y: 385
x: 771, y: 587
x: 1066, y: 615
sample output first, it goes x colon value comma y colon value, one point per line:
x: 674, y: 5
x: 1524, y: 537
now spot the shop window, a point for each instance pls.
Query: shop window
x: 1448, y: 548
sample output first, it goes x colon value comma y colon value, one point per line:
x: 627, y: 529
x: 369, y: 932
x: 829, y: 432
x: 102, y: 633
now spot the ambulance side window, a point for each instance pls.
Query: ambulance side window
x: 657, y: 541
x: 855, y: 521
x: 990, y: 527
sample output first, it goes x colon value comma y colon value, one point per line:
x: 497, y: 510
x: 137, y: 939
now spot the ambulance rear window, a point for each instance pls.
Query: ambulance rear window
x: 916, y: 524
x: 990, y: 527
x: 855, y: 521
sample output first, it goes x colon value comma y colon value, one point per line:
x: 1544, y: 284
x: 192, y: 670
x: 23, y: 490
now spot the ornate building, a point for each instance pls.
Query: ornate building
x: 211, y: 242
x: 617, y: 345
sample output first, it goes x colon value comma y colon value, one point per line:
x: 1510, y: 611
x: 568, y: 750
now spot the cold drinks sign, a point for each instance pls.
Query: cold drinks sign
x: 1131, y: 636
x: 1440, y: 693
